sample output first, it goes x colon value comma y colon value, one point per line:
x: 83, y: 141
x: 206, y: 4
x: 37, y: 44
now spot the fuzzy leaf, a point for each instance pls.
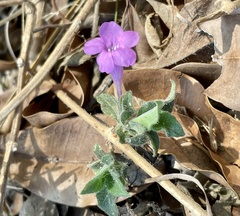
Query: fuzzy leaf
x: 168, y: 123
x: 107, y: 159
x: 115, y: 185
x: 121, y: 134
x: 137, y: 140
x: 147, y: 115
x: 96, y: 184
x: 138, y: 128
x: 109, y: 105
x: 154, y: 141
x: 107, y: 202
x: 98, y: 151
x: 146, y: 107
x: 127, y: 109
x: 96, y: 166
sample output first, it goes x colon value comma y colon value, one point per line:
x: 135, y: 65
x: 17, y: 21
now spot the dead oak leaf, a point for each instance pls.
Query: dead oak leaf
x: 225, y: 31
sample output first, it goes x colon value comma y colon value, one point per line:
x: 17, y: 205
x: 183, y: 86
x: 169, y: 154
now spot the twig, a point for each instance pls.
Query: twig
x: 50, y: 62
x: 11, y: 17
x: 8, y: 3
x: 95, y: 19
x: 11, y: 145
x: 105, y: 131
x: 37, y: 37
x: 7, y: 40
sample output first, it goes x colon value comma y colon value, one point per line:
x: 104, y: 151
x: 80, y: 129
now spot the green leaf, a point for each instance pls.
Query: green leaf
x: 146, y: 107
x: 107, y: 202
x: 121, y: 135
x: 137, y: 140
x: 109, y: 105
x: 98, y: 151
x: 115, y: 185
x: 134, y: 126
x: 154, y: 141
x: 127, y: 109
x: 147, y: 115
x: 168, y: 123
x: 96, y: 166
x: 96, y: 184
x: 169, y: 101
x: 107, y: 159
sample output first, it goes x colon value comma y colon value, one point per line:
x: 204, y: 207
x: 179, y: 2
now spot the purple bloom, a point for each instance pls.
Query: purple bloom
x: 114, y: 49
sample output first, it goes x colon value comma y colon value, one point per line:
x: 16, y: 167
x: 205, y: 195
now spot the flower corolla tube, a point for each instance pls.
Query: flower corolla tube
x: 114, y: 51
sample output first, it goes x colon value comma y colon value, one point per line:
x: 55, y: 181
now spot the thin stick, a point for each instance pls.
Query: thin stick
x: 11, y: 144
x: 105, y: 131
x: 10, y: 17
x: 50, y: 62
x: 9, y: 3
x: 95, y: 19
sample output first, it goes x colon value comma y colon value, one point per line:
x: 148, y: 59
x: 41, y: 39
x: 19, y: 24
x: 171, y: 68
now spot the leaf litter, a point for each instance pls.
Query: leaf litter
x: 195, y: 44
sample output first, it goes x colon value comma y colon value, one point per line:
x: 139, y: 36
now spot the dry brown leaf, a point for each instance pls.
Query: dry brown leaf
x: 7, y: 65
x: 204, y: 73
x: 70, y: 84
x: 61, y: 152
x: 65, y: 141
x: 131, y: 21
x: 225, y: 32
x: 184, y: 39
x: 41, y: 113
x: 154, y: 35
x: 150, y: 84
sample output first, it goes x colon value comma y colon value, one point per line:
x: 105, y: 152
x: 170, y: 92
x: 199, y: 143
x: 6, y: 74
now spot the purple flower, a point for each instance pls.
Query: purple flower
x: 114, y: 49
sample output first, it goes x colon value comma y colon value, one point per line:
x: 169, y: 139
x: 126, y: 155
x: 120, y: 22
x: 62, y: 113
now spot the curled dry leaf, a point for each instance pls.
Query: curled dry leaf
x: 154, y: 35
x: 204, y: 73
x: 184, y: 38
x: 42, y: 110
x: 225, y: 32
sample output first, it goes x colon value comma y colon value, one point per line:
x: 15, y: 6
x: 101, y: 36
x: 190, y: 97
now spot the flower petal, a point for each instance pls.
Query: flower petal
x: 105, y: 62
x: 94, y: 46
x: 117, y: 76
x: 128, y: 39
x: 124, y: 57
x: 109, y: 32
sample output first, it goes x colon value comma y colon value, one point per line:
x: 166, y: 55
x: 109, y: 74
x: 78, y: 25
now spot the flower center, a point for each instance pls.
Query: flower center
x: 112, y: 48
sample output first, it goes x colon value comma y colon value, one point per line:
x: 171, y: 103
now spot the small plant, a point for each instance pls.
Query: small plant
x: 134, y: 126
x: 109, y: 182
